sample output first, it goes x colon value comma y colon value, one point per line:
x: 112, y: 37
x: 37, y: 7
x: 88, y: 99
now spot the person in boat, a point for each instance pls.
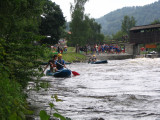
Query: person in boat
x: 60, y: 63
x: 52, y: 64
x: 92, y: 59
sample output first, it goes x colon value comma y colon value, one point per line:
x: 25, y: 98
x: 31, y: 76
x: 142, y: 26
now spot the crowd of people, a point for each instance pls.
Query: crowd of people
x: 59, y: 49
x: 105, y: 48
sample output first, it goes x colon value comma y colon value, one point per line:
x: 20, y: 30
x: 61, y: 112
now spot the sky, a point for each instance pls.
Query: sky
x: 98, y: 8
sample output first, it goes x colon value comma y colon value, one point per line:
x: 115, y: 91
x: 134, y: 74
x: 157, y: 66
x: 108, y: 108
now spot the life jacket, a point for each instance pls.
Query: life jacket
x: 59, y: 64
x: 94, y: 58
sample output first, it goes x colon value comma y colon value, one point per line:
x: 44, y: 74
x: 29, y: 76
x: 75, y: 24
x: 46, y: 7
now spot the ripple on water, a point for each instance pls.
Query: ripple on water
x: 120, y: 90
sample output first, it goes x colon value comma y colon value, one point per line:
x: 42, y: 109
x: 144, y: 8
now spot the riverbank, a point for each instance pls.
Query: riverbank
x: 122, y: 56
x: 113, y: 56
x: 69, y: 56
x: 72, y: 56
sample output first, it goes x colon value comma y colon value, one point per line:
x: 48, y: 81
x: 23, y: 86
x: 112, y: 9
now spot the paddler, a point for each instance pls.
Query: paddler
x: 52, y: 64
x: 94, y: 59
x: 60, y: 63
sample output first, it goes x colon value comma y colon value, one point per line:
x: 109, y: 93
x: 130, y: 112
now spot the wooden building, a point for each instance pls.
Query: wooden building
x: 146, y: 34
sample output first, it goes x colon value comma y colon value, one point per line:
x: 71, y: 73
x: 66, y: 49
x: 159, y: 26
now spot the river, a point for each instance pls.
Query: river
x: 120, y: 90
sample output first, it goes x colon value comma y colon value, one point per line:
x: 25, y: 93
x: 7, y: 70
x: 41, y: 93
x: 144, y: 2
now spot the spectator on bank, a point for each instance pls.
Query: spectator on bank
x: 58, y: 49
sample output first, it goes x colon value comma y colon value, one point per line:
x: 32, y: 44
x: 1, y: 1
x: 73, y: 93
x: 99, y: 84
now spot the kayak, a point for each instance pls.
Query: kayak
x: 49, y: 73
x: 100, y: 62
x: 60, y: 73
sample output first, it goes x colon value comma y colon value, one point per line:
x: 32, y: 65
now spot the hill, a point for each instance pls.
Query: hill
x: 111, y: 22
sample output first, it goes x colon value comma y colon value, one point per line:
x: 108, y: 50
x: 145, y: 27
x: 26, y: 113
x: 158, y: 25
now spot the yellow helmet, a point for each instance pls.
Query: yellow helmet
x: 94, y: 55
x: 59, y: 55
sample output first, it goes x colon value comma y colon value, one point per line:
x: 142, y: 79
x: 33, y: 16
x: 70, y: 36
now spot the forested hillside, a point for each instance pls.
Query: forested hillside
x: 111, y: 23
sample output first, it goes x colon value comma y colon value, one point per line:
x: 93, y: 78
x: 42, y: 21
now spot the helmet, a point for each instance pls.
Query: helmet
x: 94, y: 55
x: 59, y: 55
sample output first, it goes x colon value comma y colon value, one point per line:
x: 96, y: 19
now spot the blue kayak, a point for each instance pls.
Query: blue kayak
x: 49, y: 73
x: 100, y: 62
x: 60, y: 73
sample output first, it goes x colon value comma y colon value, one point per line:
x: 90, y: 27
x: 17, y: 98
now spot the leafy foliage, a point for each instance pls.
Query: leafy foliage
x: 107, y: 39
x: 157, y: 21
x: 52, y: 23
x: 77, y: 25
x: 93, y: 34
x: 83, y: 29
x: 127, y: 24
x: 59, y: 116
x: 118, y: 35
x: 19, y: 21
x: 155, y: 49
x: 44, y: 116
x: 11, y: 98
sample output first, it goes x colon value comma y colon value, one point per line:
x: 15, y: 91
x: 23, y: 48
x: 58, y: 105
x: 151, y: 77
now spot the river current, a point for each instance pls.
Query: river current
x: 119, y: 90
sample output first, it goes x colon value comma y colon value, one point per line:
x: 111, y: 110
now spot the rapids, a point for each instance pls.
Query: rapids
x: 120, y: 90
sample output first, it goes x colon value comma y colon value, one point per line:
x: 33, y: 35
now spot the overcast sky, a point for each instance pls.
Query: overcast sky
x: 98, y: 8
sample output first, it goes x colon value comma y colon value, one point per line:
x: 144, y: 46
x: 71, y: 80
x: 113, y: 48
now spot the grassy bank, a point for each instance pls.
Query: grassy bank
x: 69, y: 56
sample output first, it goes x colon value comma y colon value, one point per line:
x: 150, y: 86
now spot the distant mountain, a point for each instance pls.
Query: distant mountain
x: 111, y: 22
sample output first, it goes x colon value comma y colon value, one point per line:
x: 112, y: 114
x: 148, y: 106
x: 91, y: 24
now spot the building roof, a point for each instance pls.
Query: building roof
x: 145, y: 27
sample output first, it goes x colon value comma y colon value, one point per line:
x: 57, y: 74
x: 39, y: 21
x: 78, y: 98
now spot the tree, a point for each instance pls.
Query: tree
x: 77, y: 25
x: 107, y: 39
x: 118, y: 36
x: 19, y: 21
x: 52, y: 24
x: 157, y: 21
x: 93, y: 32
x: 84, y: 30
x: 127, y: 24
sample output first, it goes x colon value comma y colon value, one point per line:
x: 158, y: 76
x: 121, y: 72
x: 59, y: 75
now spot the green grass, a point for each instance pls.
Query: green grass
x: 71, y: 49
x: 69, y: 56
x: 72, y: 57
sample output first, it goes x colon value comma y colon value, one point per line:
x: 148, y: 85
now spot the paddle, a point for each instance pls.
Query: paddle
x: 73, y: 72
